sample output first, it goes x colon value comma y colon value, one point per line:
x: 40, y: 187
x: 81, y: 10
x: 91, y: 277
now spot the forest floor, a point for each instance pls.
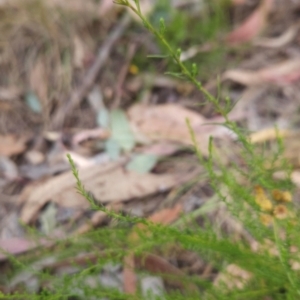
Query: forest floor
x: 75, y: 78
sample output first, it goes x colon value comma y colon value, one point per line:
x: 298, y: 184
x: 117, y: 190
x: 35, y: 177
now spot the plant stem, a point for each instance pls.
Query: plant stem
x: 282, y: 260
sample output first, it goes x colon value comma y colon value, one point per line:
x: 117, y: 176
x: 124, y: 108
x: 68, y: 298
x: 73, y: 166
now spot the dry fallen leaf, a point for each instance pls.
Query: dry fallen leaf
x: 130, y: 280
x: 75, y: 6
x: 108, y: 183
x: 105, y: 6
x: 280, y: 41
x: 35, y: 157
x: 38, y: 81
x: 269, y: 134
x: 95, y: 133
x: 282, y: 73
x: 295, y: 177
x: 159, y: 265
x: 240, y: 110
x: 167, y: 122
x: 164, y: 122
x: 165, y: 217
x: 8, y: 168
x: 80, y: 52
x: 194, y: 50
x: 10, y: 94
x: 163, y: 148
x: 233, y: 277
x: 14, y: 246
x: 12, y: 145
x: 292, y: 148
x: 253, y: 25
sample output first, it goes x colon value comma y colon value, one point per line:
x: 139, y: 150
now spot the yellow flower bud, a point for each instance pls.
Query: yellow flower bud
x: 266, y: 219
x: 283, y: 196
x: 262, y: 200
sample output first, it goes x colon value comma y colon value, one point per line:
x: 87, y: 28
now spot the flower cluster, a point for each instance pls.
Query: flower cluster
x: 272, y: 208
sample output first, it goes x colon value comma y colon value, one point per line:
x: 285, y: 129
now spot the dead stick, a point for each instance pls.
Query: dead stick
x: 90, y: 77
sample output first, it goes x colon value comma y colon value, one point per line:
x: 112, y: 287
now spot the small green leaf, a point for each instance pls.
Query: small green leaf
x: 48, y: 218
x: 228, y: 105
x: 103, y: 118
x: 158, y: 56
x: 121, y: 131
x: 178, y: 75
x: 121, y: 2
x: 33, y: 102
x: 210, y: 145
x: 194, y: 70
x: 162, y: 26
x: 142, y: 163
x: 112, y: 147
x: 137, y: 4
x: 178, y: 52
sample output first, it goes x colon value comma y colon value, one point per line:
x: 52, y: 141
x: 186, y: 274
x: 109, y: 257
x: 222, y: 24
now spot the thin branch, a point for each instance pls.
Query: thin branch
x: 91, y: 75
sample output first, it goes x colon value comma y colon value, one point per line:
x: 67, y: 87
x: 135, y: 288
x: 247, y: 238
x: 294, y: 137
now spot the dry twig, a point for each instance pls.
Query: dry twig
x: 92, y: 73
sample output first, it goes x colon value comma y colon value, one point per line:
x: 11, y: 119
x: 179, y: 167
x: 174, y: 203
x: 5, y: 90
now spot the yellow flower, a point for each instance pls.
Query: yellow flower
x: 280, y: 211
x: 259, y: 190
x: 133, y: 69
x: 266, y: 219
x: 264, y: 203
x: 283, y: 196
x: 262, y: 200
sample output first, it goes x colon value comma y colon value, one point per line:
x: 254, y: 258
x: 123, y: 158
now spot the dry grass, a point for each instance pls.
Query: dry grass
x: 39, y: 49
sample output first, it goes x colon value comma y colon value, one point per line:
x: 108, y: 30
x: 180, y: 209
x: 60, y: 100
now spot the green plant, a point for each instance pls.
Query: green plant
x: 246, y: 203
x: 268, y: 245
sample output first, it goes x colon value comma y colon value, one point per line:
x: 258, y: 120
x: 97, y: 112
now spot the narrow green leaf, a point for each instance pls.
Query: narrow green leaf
x: 178, y: 52
x: 194, y: 70
x: 177, y: 75
x: 158, y: 56
x: 162, y: 26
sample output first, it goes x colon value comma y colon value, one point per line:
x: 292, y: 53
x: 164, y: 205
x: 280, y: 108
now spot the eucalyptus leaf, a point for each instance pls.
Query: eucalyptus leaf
x: 112, y: 148
x: 103, y: 118
x: 120, y: 129
x: 142, y: 163
x: 33, y: 102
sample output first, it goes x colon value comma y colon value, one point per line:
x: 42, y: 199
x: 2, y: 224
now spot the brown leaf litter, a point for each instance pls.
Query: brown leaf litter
x: 42, y: 34
x: 233, y: 277
x: 12, y: 144
x: 283, y: 73
x: 280, y: 41
x: 165, y: 217
x: 108, y: 183
x: 253, y: 25
x: 168, y: 122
